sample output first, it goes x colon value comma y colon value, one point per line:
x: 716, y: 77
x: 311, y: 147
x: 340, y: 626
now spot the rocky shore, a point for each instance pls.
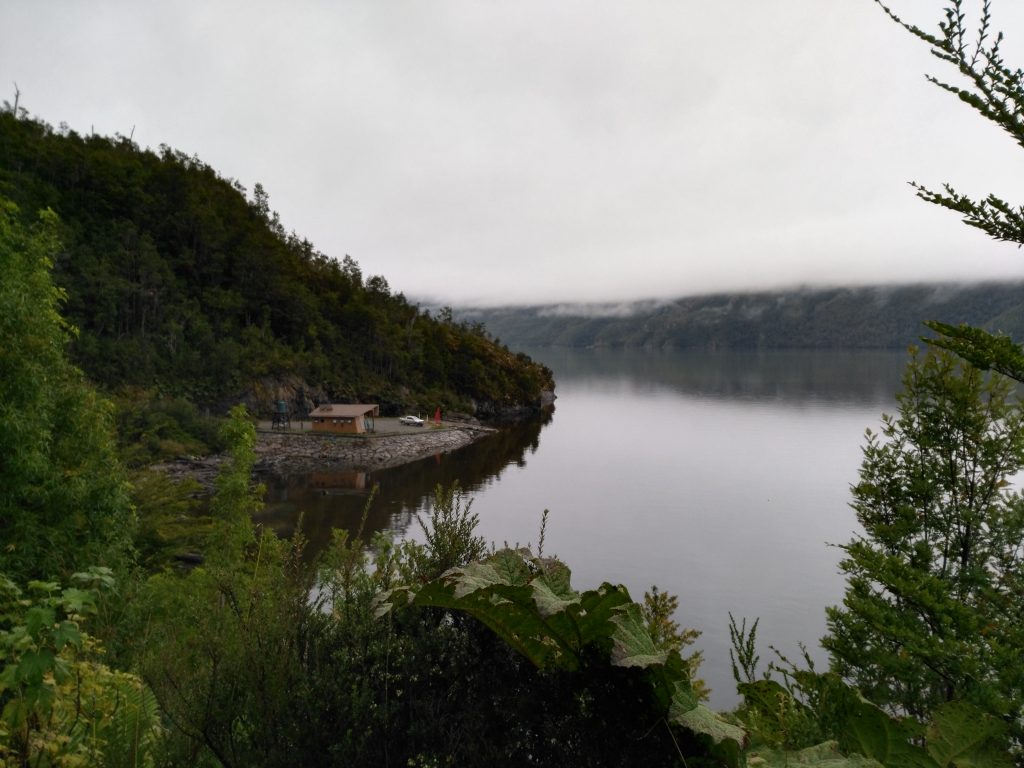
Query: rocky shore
x: 295, y: 451
x: 285, y: 452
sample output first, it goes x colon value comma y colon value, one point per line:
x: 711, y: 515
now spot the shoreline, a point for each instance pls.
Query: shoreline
x: 282, y: 452
x: 299, y: 451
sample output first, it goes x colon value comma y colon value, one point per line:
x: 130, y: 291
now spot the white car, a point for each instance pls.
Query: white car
x: 411, y: 421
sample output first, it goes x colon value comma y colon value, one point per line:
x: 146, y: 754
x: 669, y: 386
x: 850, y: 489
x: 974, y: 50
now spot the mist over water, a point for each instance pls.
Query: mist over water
x: 719, y: 477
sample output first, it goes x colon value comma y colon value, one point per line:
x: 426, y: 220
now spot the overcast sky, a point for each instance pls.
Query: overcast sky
x: 475, y: 151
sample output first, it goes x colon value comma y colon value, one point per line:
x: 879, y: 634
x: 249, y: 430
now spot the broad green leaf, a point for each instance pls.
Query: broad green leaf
x: 962, y: 735
x: 825, y: 755
x: 16, y: 712
x: 34, y: 665
x: 683, y: 699
x: 597, y: 606
x: 78, y: 600
x: 549, y: 627
x: 99, y: 575
x: 511, y: 567
x: 67, y: 633
x: 869, y: 731
x: 8, y: 588
x: 532, y: 607
x: 8, y: 677
x: 632, y: 645
x: 473, y: 577
x: 38, y: 617
x: 548, y: 602
x: 509, y: 611
x: 557, y: 576
x: 705, y: 721
x: 552, y: 591
x: 61, y: 670
x: 43, y: 586
x: 41, y: 697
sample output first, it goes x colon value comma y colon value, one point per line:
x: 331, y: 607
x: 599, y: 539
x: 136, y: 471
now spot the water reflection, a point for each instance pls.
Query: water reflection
x: 787, y: 376
x: 328, y: 499
x: 718, y: 476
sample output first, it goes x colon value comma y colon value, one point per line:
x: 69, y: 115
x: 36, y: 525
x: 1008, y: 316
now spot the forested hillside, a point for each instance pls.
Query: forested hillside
x: 856, y: 318
x: 176, y: 280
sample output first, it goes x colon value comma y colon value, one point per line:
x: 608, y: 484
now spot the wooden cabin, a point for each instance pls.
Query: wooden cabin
x: 344, y: 418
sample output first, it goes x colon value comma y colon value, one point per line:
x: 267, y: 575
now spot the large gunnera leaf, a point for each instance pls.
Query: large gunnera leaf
x: 826, y: 755
x: 530, y: 604
x: 962, y: 735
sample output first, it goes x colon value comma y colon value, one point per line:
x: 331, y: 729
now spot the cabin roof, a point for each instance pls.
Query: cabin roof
x: 345, y: 410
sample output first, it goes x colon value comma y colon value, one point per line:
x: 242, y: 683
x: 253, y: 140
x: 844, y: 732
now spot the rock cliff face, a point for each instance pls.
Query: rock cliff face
x: 498, y: 413
x: 300, y: 396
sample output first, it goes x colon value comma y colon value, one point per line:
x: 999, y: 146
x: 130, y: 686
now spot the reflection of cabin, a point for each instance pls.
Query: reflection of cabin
x: 344, y: 418
x: 338, y: 482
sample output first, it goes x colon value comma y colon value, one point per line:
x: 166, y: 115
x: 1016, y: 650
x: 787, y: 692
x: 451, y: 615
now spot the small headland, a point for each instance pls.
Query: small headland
x: 299, y: 449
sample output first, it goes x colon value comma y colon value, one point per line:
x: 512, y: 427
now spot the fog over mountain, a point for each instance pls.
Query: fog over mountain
x: 888, y: 316
x: 538, y: 152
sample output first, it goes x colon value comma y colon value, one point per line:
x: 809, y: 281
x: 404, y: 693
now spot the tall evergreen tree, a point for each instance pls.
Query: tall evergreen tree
x: 932, y: 600
x: 996, y: 91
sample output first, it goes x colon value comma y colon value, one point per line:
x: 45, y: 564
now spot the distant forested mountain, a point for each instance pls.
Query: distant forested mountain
x: 859, y: 318
x: 177, y: 281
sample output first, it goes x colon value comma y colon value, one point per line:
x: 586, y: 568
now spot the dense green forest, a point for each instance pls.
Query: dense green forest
x: 450, y: 652
x: 444, y: 651
x: 835, y: 318
x: 177, y: 281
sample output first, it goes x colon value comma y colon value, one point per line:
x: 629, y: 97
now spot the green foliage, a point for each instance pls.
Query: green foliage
x: 996, y: 92
x: 235, y: 500
x: 824, y: 755
x: 991, y: 88
x: 777, y: 718
x: 262, y: 659
x: 449, y: 532
x: 59, y: 704
x: 222, y: 654
x: 152, y: 428
x: 960, y: 734
x: 658, y: 610
x: 529, y: 603
x: 169, y: 521
x: 179, y: 283
x: 743, y: 651
x: 983, y: 350
x: 63, y: 502
x: 222, y: 649
x: 816, y: 719
x: 960, y: 625
x: 932, y: 601
x: 789, y: 715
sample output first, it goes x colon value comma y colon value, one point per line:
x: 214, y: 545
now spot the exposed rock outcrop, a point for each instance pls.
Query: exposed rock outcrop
x: 300, y: 396
x: 501, y: 413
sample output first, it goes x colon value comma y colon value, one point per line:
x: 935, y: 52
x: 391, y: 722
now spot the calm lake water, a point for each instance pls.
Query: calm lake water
x: 719, y: 477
